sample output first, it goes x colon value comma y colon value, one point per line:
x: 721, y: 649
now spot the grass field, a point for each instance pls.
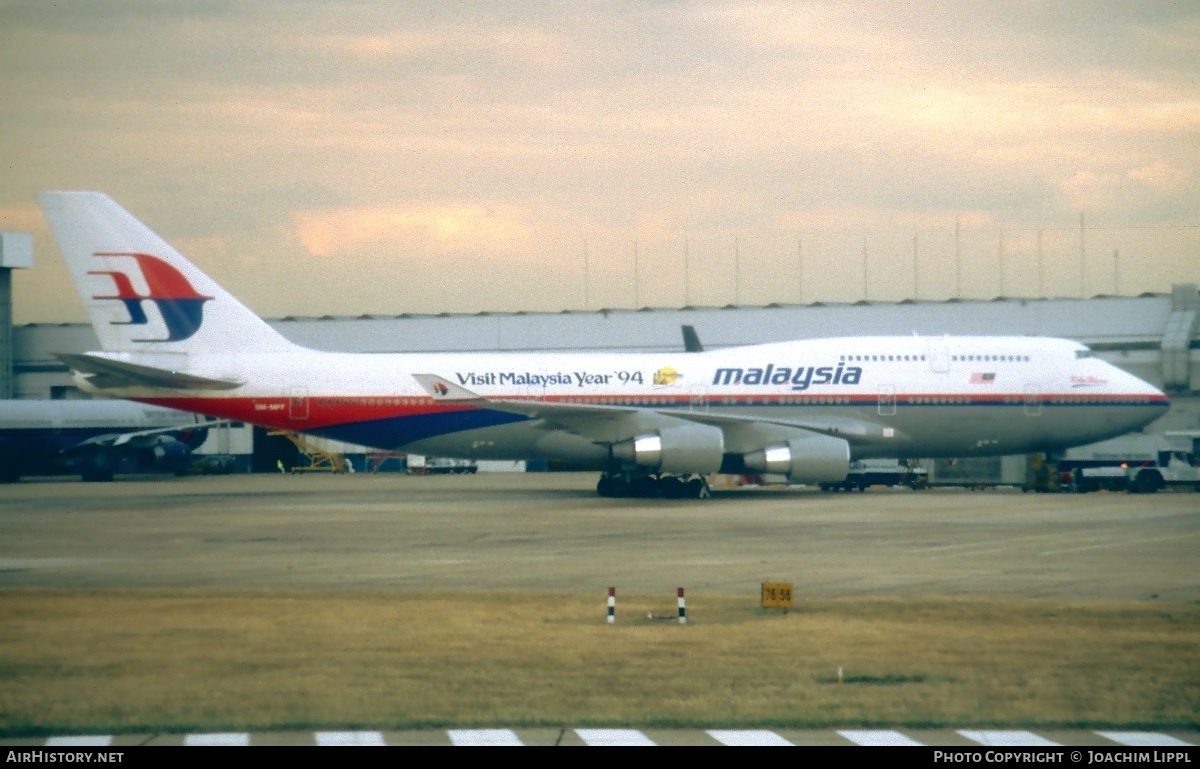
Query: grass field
x: 171, y: 660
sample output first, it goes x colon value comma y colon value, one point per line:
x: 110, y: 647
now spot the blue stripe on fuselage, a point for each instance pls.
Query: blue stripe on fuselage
x: 393, y: 432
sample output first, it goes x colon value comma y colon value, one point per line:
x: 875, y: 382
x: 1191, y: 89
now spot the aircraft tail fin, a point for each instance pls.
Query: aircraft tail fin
x: 141, y: 294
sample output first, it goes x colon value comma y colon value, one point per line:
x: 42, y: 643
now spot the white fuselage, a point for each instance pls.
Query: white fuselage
x: 886, y: 396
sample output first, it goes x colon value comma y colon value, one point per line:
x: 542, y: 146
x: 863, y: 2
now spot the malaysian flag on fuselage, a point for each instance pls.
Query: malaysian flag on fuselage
x: 987, y: 378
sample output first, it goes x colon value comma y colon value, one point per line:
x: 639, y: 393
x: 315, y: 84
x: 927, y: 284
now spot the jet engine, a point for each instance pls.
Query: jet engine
x: 166, y: 454
x: 169, y: 453
x: 813, y: 459
x: 683, y: 449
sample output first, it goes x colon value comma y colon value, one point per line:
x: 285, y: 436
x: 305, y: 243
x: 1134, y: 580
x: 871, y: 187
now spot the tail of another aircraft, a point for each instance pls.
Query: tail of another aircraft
x: 141, y: 294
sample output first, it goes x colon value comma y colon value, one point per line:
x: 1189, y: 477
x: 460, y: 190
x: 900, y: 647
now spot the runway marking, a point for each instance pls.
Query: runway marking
x: 747, y: 737
x: 79, y: 741
x: 24, y: 564
x: 1121, y: 543
x: 218, y: 738
x: 983, y: 543
x: 614, y: 737
x: 996, y: 546
x: 607, y: 737
x: 877, y: 737
x: 350, y: 738
x: 484, y: 737
x: 1007, y: 739
x: 1144, y: 739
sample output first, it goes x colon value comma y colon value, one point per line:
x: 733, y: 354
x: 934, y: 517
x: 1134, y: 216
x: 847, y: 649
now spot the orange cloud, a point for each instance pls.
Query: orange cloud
x: 1161, y: 177
x: 437, y: 228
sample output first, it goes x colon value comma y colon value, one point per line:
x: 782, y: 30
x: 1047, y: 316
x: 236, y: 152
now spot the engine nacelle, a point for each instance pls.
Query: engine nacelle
x: 816, y: 459
x: 168, y: 454
x: 683, y: 449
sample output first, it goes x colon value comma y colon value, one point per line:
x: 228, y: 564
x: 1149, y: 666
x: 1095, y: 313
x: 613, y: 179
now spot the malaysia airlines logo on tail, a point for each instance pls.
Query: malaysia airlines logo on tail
x: 179, y: 304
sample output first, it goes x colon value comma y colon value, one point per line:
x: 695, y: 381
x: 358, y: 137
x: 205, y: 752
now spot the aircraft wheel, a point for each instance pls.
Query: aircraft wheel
x: 697, y: 488
x: 672, y: 487
x: 1148, y: 482
x: 643, y: 486
x: 608, y: 486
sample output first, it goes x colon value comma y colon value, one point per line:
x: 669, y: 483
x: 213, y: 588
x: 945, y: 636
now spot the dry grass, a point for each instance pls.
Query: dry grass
x: 139, y: 660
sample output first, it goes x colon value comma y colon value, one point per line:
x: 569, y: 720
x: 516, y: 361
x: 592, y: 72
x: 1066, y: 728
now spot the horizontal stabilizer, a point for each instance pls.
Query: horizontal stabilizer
x: 112, y: 374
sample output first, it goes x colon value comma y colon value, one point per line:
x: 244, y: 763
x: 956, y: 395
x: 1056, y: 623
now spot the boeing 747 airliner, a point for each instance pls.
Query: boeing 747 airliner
x: 654, y: 423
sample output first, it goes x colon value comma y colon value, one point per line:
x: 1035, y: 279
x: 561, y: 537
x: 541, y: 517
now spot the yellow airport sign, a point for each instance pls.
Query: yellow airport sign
x: 777, y: 595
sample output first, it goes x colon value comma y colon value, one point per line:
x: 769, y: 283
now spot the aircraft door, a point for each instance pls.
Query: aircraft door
x: 887, y: 400
x: 938, y: 355
x: 298, y: 403
x: 698, y: 399
x: 535, y: 388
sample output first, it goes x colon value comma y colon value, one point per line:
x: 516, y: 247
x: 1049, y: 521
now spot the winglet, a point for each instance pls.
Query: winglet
x: 444, y: 390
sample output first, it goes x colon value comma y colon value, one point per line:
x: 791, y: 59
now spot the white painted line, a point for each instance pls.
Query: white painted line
x: 79, y: 741
x: 747, y: 737
x: 614, y: 737
x: 1122, y: 543
x: 874, y: 737
x: 1007, y: 739
x: 1004, y: 543
x: 218, y: 738
x: 485, y: 737
x: 1144, y: 739
x: 349, y: 738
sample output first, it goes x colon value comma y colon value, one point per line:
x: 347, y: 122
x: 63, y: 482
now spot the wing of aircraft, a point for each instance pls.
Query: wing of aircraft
x: 167, y: 449
x: 95, y: 438
x: 651, y: 422
x: 141, y: 439
x: 821, y: 444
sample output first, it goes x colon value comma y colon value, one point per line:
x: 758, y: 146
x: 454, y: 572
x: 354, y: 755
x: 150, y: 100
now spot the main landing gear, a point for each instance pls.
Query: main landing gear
x: 665, y: 486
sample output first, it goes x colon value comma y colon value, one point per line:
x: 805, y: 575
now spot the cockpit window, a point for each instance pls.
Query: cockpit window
x: 1085, y: 353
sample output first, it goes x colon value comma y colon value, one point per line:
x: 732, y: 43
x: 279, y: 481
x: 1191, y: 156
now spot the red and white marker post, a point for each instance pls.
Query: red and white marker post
x: 682, y: 610
x: 612, y: 605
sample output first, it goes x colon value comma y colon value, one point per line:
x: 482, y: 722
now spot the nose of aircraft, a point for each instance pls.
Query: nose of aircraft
x: 1149, y: 402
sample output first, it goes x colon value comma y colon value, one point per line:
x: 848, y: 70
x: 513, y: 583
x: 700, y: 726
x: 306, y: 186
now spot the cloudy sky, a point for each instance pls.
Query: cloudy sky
x: 366, y: 157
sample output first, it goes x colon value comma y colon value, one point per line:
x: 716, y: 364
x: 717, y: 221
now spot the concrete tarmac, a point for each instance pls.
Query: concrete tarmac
x: 551, y: 532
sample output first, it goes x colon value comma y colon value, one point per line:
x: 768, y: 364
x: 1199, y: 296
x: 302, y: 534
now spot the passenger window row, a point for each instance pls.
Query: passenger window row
x: 990, y: 358
x: 918, y: 358
x: 880, y: 358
